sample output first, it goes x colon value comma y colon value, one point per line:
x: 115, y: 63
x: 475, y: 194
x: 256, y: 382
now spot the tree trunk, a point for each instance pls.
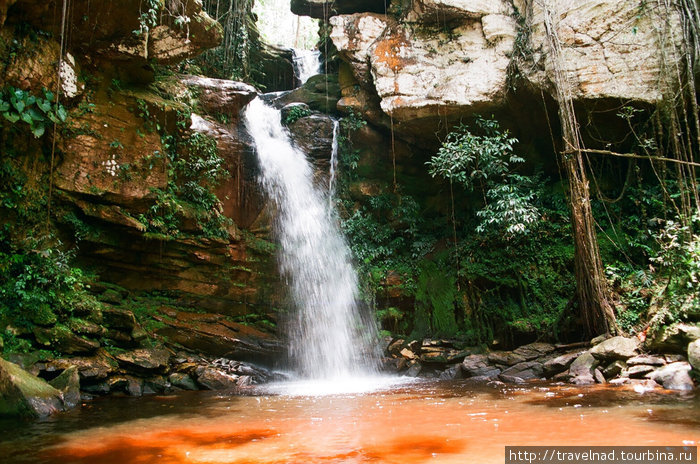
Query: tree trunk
x: 591, y: 287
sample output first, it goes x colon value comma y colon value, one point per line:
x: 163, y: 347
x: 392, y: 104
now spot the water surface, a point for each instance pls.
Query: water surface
x: 428, y: 421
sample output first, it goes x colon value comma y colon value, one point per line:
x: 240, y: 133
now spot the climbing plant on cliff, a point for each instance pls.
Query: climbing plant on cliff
x: 233, y: 59
x: 592, y: 292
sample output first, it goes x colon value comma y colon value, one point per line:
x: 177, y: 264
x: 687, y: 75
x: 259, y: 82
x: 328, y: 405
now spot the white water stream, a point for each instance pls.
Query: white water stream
x: 307, y: 63
x: 329, y: 340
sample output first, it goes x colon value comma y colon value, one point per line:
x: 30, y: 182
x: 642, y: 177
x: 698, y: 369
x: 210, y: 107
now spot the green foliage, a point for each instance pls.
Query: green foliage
x: 294, y: 114
x: 436, y: 293
x: 484, y: 161
x: 38, y: 285
x: 239, y: 57
x: 17, y: 105
x: 195, y: 170
x: 148, y: 17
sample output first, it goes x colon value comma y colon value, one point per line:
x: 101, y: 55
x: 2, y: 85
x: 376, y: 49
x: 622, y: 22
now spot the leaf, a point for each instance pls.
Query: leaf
x: 12, y: 117
x: 38, y: 130
x: 49, y: 95
x: 62, y: 113
x: 4, y: 106
x: 36, y: 116
x: 44, y: 105
x: 26, y: 117
x: 18, y: 104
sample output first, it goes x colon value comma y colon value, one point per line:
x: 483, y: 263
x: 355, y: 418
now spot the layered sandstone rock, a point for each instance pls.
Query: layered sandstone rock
x: 443, y: 58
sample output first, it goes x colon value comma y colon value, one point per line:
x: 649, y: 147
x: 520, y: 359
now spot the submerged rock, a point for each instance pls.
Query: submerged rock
x: 25, y: 395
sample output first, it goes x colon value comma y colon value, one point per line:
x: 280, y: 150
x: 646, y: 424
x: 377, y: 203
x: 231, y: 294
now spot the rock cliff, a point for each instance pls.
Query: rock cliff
x: 442, y: 59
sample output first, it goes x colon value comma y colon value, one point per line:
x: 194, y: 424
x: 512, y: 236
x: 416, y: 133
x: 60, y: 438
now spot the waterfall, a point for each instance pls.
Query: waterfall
x: 328, y: 337
x: 307, y: 63
x: 334, y: 165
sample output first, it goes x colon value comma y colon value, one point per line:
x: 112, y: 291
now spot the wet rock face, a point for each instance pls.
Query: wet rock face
x: 105, y: 156
x: 451, y: 58
x: 182, y: 30
x: 314, y: 134
x: 610, y: 48
x: 426, y: 71
x: 221, y: 97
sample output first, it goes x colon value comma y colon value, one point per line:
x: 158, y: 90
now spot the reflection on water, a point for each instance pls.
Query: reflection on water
x: 440, y: 422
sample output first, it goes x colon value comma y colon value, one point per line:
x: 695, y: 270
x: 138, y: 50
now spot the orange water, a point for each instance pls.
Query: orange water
x: 453, y: 422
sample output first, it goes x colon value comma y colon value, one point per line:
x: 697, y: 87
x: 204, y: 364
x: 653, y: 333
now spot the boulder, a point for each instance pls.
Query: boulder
x: 694, y: 354
x: 674, y: 338
x: 414, y: 370
x: 220, y: 97
x: 115, y: 318
x: 511, y: 379
x: 560, y: 363
x: 581, y: 369
x: 215, y: 379
x: 646, y: 359
x: 314, y: 135
x: 616, y: 348
x: 321, y: 92
x: 524, y: 370
x: 441, y: 355
x: 451, y: 373
x: 598, y: 376
x: 394, y: 348
x: 614, y: 369
x: 68, y: 383
x: 637, y: 371
x: 673, y: 376
x: 183, y: 381
x: 145, y: 360
x: 534, y: 350
x: 61, y: 338
x: 90, y: 369
x: 477, y: 365
x: 25, y: 395
x: 505, y: 358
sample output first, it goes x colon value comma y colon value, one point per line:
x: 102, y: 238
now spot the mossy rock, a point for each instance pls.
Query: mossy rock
x: 25, y: 395
x: 68, y: 382
x: 62, y: 339
x: 320, y: 93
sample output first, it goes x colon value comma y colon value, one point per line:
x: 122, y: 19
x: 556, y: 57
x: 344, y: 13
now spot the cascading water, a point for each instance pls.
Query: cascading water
x: 307, y: 63
x: 333, y: 165
x: 328, y: 337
